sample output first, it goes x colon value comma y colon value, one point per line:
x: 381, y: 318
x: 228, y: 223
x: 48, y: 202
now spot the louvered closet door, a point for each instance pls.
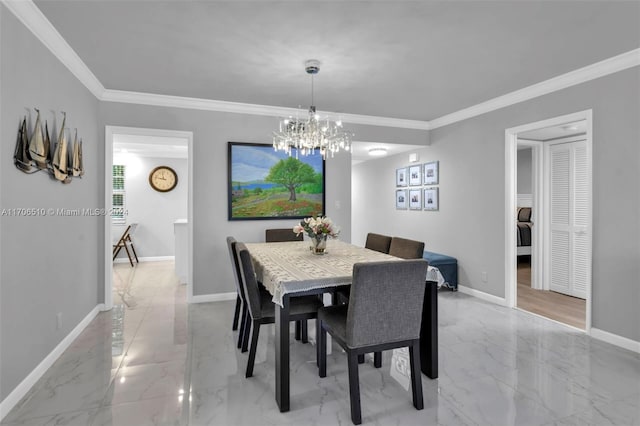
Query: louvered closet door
x: 570, y: 245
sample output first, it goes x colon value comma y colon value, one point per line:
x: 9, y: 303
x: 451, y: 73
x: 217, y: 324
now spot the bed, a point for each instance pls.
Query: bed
x: 523, y: 231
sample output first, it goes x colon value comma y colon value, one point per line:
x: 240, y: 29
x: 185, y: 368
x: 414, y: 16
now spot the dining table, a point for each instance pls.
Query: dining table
x: 291, y: 269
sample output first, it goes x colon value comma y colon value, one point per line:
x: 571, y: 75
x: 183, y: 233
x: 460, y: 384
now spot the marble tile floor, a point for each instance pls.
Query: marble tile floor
x: 154, y: 360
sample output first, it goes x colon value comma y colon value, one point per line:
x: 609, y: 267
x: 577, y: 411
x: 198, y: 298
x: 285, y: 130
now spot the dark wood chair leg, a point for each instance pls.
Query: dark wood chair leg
x: 236, y: 314
x: 361, y: 359
x: 246, y: 333
x: 318, y: 342
x: 116, y: 251
x: 377, y: 359
x: 243, y: 325
x: 255, y: 332
x: 416, y: 379
x: 128, y: 254
x: 134, y: 253
x: 354, y: 388
x: 322, y: 350
x: 298, y: 335
x: 304, y: 331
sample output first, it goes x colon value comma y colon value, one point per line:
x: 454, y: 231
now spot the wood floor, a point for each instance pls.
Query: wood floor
x: 559, y: 307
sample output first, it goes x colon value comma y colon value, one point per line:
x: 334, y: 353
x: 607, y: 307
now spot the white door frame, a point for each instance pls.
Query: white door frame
x: 511, y: 146
x: 537, y: 181
x: 110, y: 131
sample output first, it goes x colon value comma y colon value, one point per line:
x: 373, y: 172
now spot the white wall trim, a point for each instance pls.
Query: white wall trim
x: 217, y: 297
x: 145, y: 259
x: 511, y: 143
x: 482, y: 295
x: 21, y: 390
x: 28, y: 13
x: 110, y: 131
x: 615, y: 339
x: 253, y: 109
x: 581, y: 75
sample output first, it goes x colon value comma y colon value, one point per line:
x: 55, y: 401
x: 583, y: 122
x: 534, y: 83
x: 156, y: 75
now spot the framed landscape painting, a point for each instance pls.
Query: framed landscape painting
x: 268, y: 184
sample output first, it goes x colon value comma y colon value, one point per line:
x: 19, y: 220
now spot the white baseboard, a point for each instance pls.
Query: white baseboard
x: 614, y: 339
x: 145, y: 259
x: 482, y: 295
x: 218, y: 297
x: 21, y: 390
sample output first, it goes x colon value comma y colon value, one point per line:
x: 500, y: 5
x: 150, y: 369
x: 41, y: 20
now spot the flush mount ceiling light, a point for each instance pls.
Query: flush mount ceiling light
x: 311, y: 133
x: 377, y: 152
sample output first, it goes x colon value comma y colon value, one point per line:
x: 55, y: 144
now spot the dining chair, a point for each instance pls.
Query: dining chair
x: 377, y: 242
x: 126, y: 242
x: 406, y: 249
x: 281, y: 235
x: 262, y: 309
x: 241, y: 302
x: 384, y: 312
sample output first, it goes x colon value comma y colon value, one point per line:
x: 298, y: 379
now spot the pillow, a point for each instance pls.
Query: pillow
x: 524, y: 214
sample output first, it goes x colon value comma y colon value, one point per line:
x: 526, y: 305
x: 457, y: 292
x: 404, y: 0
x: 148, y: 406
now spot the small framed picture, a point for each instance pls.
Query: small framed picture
x: 401, y: 199
x: 414, y: 176
x: 401, y: 177
x: 415, y: 199
x: 431, y: 201
x: 431, y: 173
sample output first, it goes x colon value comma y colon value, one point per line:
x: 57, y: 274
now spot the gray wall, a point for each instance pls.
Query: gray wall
x: 211, y: 132
x: 154, y: 211
x: 525, y: 171
x: 470, y: 223
x: 48, y: 264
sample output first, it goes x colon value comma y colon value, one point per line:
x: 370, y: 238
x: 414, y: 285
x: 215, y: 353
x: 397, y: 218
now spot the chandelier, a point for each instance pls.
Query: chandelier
x: 311, y: 133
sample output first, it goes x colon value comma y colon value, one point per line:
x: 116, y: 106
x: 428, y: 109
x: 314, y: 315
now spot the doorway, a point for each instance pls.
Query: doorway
x: 116, y: 138
x: 552, y: 277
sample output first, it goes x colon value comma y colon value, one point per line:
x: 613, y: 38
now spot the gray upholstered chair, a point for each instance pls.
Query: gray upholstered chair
x: 384, y: 312
x: 241, y: 302
x: 281, y: 235
x: 406, y: 249
x: 375, y: 242
x: 262, y: 309
x: 378, y: 242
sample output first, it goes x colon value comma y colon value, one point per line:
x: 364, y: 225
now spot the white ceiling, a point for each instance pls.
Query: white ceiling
x: 406, y: 59
x: 360, y: 150
x: 555, y: 132
x: 150, y: 146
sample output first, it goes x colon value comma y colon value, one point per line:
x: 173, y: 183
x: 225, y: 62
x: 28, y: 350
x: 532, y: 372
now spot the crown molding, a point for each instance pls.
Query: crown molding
x: 603, y: 68
x: 28, y: 13
x: 253, y: 109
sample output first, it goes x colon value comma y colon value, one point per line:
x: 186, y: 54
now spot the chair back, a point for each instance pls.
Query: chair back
x: 386, y: 302
x: 378, y: 242
x: 132, y: 230
x: 406, y: 249
x: 235, y: 265
x: 249, y: 281
x: 281, y: 235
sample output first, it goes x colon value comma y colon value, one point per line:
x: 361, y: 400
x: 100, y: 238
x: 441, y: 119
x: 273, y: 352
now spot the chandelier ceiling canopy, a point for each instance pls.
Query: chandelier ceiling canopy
x: 309, y: 133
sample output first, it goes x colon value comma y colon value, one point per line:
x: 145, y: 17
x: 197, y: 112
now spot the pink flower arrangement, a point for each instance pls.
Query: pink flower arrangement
x: 316, y: 227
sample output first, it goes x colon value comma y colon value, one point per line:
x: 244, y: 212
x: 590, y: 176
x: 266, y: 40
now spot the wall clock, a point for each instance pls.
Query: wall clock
x: 163, y: 178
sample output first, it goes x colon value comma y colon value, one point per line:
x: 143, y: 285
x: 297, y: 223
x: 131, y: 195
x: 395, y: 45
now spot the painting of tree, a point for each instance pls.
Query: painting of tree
x: 267, y: 184
x: 292, y: 174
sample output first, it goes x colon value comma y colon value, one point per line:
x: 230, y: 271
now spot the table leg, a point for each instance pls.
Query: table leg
x: 429, y: 331
x: 282, y: 354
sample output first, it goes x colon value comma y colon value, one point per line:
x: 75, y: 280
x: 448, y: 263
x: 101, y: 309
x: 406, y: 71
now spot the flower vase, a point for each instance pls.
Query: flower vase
x: 319, y: 244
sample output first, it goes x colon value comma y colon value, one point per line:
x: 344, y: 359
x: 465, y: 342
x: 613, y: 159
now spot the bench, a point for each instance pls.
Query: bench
x: 447, y: 265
